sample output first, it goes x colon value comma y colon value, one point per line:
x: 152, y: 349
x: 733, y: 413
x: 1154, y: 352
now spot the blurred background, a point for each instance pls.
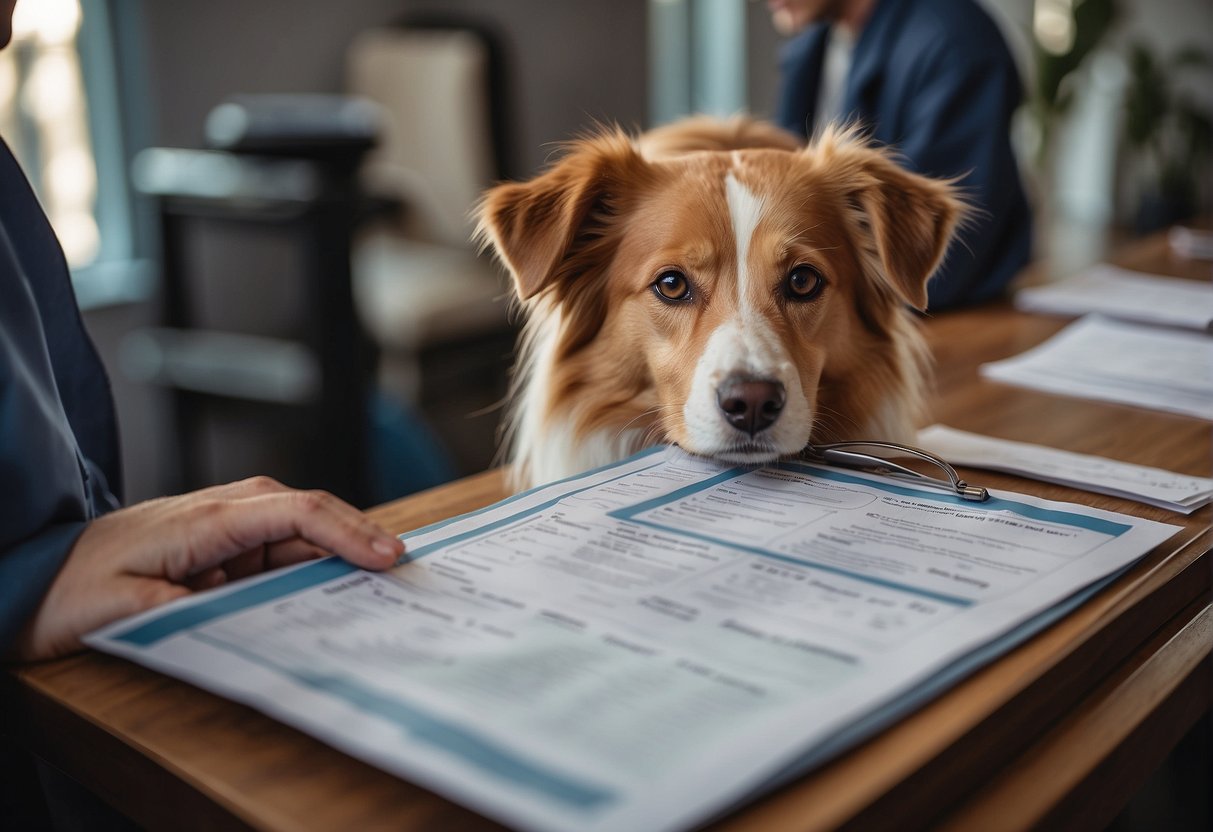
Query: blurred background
x: 265, y: 202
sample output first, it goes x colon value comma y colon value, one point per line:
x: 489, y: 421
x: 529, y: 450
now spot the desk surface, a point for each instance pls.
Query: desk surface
x: 1089, y: 707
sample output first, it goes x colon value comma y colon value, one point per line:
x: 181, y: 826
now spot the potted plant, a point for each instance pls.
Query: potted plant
x: 1168, y: 136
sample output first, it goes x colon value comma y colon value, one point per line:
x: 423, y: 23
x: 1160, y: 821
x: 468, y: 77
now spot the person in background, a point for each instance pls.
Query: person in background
x: 71, y: 559
x: 935, y: 81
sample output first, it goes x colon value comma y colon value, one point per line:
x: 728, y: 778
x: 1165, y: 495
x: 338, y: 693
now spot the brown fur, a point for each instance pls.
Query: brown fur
x: 607, y: 368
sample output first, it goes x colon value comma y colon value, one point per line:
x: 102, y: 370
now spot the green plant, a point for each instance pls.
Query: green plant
x: 1169, y: 135
x: 1052, y: 91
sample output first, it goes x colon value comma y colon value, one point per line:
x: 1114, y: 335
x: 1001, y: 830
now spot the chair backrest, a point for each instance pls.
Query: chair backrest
x: 267, y: 363
x: 436, y: 151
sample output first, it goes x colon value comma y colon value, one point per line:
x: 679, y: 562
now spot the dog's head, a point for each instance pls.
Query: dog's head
x: 736, y: 302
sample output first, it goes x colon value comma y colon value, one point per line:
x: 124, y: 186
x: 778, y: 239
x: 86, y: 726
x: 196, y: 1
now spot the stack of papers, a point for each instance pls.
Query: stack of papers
x: 1113, y: 361
x: 1121, y: 293
x: 1152, y: 486
x: 646, y: 645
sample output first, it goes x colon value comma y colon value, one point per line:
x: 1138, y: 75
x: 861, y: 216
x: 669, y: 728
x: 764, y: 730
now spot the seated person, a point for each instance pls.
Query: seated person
x: 934, y: 80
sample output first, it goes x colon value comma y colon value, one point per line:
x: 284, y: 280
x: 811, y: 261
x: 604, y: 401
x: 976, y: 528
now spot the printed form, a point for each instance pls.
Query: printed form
x: 643, y: 646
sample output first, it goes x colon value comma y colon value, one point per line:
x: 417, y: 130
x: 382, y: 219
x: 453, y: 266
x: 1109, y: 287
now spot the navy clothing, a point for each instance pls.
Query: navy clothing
x: 59, y: 463
x: 934, y: 80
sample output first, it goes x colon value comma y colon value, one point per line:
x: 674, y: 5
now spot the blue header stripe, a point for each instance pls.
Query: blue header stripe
x: 954, y: 600
x: 304, y: 577
x: 171, y: 623
x: 450, y: 737
x: 673, y: 496
x: 420, y: 552
x: 631, y: 514
x: 328, y: 569
x: 1047, y: 515
x: 433, y: 527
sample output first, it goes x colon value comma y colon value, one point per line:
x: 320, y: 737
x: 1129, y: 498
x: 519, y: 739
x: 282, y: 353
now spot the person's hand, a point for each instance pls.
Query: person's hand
x: 138, y: 557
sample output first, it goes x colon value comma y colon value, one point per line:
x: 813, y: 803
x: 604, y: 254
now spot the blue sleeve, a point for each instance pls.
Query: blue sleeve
x: 59, y: 460
x: 27, y: 570
x: 44, y: 481
x: 958, y: 125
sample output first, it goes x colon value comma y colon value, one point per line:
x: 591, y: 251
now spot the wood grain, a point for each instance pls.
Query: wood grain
x: 1125, y: 726
x: 1015, y: 744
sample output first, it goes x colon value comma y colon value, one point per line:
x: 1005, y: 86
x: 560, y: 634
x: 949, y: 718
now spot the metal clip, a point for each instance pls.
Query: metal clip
x: 838, y: 453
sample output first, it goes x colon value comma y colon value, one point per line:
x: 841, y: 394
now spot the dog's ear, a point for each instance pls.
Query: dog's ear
x: 535, y: 227
x: 908, y: 219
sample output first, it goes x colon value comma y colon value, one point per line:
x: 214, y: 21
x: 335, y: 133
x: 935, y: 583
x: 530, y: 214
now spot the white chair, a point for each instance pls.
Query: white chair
x: 419, y: 281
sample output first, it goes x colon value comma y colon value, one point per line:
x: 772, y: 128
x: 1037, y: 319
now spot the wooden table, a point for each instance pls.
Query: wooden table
x: 1060, y: 731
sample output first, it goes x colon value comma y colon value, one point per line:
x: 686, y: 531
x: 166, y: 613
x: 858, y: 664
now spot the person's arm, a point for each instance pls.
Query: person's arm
x: 43, y: 498
x: 65, y: 571
x: 958, y: 125
x: 139, y: 557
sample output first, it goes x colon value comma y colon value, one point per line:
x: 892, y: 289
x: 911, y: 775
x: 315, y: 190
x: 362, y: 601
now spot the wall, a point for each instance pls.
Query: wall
x: 568, y: 62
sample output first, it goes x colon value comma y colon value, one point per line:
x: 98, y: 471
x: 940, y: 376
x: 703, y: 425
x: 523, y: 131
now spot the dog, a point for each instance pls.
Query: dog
x: 717, y: 285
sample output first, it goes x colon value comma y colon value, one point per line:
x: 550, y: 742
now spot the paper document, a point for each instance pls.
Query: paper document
x: 1191, y: 243
x: 1121, y: 293
x: 643, y: 646
x: 1113, y: 361
x: 1152, y: 486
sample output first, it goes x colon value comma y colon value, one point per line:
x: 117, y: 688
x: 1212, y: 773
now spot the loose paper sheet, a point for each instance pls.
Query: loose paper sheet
x: 1153, y: 486
x: 645, y: 645
x: 1097, y: 358
x: 1122, y: 293
x: 1191, y: 243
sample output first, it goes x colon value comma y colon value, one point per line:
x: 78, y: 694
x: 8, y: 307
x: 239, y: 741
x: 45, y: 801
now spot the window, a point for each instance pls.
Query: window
x: 61, y: 60
x: 44, y: 118
x: 696, y: 58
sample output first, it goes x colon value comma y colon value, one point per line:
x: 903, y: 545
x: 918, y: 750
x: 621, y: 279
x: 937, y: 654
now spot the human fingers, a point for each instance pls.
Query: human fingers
x: 218, y: 530
x: 169, y: 510
x: 290, y: 552
x: 248, y: 487
x: 208, y: 579
x: 272, y: 556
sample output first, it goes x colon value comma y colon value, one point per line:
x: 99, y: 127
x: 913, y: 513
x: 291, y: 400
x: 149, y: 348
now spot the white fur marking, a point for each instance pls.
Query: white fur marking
x: 746, y: 346
x: 544, y: 446
x: 745, y: 210
x: 738, y: 347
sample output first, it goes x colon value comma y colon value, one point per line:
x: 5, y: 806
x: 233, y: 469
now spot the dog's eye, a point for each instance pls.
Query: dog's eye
x: 803, y: 283
x: 672, y: 286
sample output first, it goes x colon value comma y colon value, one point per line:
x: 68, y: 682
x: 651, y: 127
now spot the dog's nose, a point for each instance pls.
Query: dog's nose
x: 751, y: 405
